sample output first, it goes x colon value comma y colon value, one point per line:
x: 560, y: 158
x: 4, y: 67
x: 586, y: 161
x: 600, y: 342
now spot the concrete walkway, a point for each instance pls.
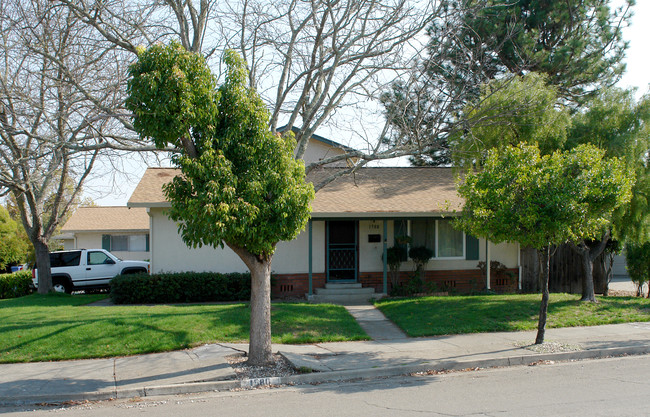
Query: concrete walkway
x: 205, y: 368
x: 373, y: 322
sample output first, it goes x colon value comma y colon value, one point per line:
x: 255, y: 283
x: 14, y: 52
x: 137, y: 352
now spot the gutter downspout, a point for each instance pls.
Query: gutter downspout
x: 151, y: 267
x: 310, y: 259
x: 385, y: 257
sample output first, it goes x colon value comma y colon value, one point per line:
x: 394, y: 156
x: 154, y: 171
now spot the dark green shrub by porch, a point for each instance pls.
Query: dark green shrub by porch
x: 184, y: 287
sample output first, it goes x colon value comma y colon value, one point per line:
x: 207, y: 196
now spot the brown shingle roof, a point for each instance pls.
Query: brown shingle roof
x: 148, y: 192
x: 388, y: 192
x: 370, y: 191
x: 107, y: 219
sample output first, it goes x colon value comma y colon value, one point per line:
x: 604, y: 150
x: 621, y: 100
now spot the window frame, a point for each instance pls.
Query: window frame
x: 449, y: 258
x: 128, y: 242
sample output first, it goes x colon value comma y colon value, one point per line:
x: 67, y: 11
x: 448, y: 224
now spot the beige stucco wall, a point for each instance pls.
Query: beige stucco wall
x: 371, y: 253
x: 317, y: 150
x: 94, y: 241
x: 171, y: 255
x: 68, y: 244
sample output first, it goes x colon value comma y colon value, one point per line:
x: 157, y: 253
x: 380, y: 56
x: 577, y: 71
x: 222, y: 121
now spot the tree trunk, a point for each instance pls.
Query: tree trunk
x: 545, y: 255
x: 609, y: 271
x: 587, y: 277
x: 43, y: 263
x: 259, y: 347
x: 259, y: 350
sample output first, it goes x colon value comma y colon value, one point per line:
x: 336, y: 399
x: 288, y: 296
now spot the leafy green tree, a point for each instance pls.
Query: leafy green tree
x: 638, y: 264
x: 511, y: 110
x: 13, y: 247
x: 615, y: 122
x: 612, y: 121
x: 240, y: 185
x: 577, y: 44
x: 541, y: 201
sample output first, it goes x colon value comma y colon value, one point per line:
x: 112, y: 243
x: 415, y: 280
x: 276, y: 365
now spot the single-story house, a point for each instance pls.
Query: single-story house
x: 123, y: 231
x: 354, y: 220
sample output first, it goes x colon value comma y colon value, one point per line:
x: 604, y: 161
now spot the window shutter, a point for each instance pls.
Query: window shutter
x: 106, y: 242
x: 471, y: 248
x: 147, y: 243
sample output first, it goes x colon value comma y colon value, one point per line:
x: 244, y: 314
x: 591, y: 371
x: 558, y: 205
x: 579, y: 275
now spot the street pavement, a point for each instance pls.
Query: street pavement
x: 391, y: 353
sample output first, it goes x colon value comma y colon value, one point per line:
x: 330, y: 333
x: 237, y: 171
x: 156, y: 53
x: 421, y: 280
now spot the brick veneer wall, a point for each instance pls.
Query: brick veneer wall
x: 295, y: 285
x: 457, y: 281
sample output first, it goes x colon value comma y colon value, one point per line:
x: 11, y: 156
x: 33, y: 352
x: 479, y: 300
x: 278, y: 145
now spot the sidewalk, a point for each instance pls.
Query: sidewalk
x: 205, y: 369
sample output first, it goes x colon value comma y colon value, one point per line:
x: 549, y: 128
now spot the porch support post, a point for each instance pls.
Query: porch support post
x: 487, y: 262
x: 310, y: 259
x: 385, y: 256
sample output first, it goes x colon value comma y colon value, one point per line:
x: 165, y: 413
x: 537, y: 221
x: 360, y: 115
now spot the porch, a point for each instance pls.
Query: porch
x: 354, y: 251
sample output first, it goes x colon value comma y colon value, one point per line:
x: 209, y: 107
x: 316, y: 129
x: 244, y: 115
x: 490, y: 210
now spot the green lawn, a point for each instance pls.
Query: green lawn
x: 430, y: 316
x: 59, y: 326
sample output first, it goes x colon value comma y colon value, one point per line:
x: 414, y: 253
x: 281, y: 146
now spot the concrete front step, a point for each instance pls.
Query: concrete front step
x: 344, y: 291
x: 340, y: 285
x: 343, y: 299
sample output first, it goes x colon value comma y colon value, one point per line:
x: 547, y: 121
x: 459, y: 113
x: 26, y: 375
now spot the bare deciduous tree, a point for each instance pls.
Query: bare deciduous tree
x: 61, y: 95
x: 308, y: 59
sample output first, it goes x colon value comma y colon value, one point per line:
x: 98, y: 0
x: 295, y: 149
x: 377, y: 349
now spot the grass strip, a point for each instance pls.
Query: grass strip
x: 61, y: 327
x: 431, y: 316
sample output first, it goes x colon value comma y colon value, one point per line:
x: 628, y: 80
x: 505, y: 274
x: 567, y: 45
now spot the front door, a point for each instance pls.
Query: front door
x: 342, y: 253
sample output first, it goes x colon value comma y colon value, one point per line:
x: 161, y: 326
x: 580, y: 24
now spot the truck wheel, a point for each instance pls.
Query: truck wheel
x: 60, y: 285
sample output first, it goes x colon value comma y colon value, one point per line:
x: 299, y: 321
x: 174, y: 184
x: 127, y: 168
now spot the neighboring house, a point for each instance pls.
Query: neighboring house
x: 619, y: 269
x: 354, y: 219
x: 121, y: 230
x: 66, y: 240
x: 321, y: 148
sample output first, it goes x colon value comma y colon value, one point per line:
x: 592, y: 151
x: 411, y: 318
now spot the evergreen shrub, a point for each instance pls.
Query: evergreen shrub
x: 183, y: 287
x: 17, y: 284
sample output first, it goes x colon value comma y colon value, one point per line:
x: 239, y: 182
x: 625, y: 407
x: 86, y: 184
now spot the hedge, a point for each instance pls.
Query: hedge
x: 184, y: 287
x: 15, y: 285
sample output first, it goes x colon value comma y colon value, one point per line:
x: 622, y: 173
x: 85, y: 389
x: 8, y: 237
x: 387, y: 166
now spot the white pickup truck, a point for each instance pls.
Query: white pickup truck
x: 87, y: 269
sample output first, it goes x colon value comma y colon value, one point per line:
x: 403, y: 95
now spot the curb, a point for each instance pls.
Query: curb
x: 322, y: 377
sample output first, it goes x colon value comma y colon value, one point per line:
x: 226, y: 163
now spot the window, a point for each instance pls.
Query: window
x: 98, y: 258
x: 423, y: 232
x: 65, y: 259
x: 128, y: 243
x: 400, y: 230
x: 120, y: 243
x: 439, y: 236
x: 451, y: 242
x: 138, y: 243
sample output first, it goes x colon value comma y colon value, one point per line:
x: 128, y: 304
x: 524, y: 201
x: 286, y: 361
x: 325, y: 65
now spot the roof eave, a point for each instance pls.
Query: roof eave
x: 382, y: 214
x: 139, y: 230
x: 145, y: 204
